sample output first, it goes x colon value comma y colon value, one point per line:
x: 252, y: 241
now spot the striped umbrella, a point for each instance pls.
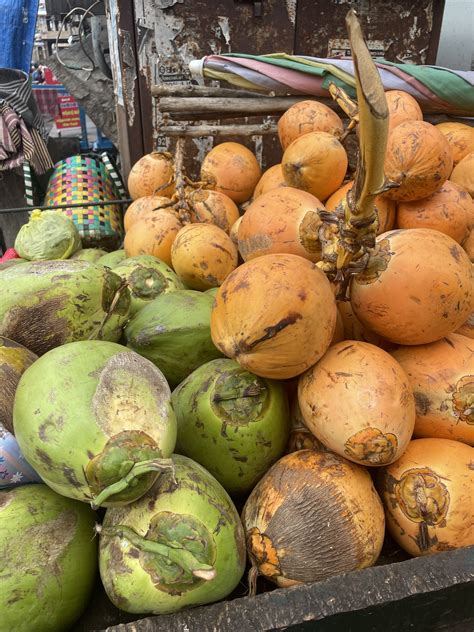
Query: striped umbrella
x: 436, y: 89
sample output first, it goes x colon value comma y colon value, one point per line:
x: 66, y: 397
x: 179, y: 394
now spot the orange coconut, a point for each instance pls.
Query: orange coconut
x: 428, y: 496
x: 307, y: 116
x: 468, y: 328
x: 281, y: 220
x: 463, y: 173
x: 275, y: 315
x: 419, y: 159
x: 468, y: 245
x: 450, y: 210
x: 460, y: 136
x: 213, y: 207
x: 203, y: 255
x: 314, y: 515
x: 359, y: 403
x: 234, y: 232
x: 402, y: 107
x: 232, y: 169
x: 339, y: 334
x: 417, y: 287
x: 384, y: 207
x: 144, y: 206
x: 300, y: 437
x: 271, y: 179
x: 355, y: 330
x: 315, y: 162
x: 153, y: 174
x: 441, y: 375
x: 153, y: 235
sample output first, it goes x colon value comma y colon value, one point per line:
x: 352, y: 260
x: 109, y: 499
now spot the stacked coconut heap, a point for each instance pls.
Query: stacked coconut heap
x: 217, y: 357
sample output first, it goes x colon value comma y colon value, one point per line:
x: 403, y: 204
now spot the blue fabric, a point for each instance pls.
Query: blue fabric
x: 17, y: 28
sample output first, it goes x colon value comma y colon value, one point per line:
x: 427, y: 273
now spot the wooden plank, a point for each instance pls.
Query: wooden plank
x: 418, y: 594
x: 239, y: 107
x: 205, y: 91
x: 199, y: 131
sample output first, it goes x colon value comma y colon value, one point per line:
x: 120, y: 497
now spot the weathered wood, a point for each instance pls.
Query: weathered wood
x: 418, y: 594
x: 197, y: 131
x: 204, y: 91
x: 202, y: 107
x: 244, y: 106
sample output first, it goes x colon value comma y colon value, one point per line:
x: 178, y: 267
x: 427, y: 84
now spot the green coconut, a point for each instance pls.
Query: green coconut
x: 232, y: 422
x: 147, y: 278
x: 49, y: 559
x: 112, y: 259
x: 180, y: 545
x: 174, y: 332
x: 14, y: 360
x: 89, y: 254
x: 45, y: 304
x: 94, y: 419
x: 47, y: 235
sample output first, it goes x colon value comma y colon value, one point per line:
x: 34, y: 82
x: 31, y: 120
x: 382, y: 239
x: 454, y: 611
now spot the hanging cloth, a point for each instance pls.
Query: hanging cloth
x: 22, y: 132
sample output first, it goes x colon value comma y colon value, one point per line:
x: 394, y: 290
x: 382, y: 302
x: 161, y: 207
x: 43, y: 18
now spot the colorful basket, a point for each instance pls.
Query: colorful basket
x: 89, y: 178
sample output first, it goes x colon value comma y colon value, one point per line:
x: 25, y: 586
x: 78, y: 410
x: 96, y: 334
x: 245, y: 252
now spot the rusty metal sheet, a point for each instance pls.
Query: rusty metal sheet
x: 172, y: 33
x: 400, y: 30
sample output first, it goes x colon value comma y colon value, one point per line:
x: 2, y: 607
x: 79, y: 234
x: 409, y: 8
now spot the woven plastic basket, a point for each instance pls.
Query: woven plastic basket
x: 89, y: 179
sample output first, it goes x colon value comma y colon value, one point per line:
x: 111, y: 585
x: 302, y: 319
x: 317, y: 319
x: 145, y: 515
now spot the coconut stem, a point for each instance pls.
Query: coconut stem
x: 97, y: 335
x: 139, y: 469
x: 346, y: 249
x: 182, y: 206
x: 347, y: 105
x: 252, y: 579
x: 171, y: 551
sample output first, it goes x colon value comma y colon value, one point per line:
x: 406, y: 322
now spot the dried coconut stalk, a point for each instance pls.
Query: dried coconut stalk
x: 347, y: 105
x: 349, y: 233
